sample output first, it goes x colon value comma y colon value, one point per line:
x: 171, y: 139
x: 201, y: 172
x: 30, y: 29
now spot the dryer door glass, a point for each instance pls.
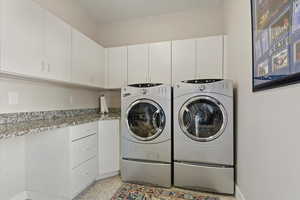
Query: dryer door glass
x: 145, y: 120
x: 202, y: 118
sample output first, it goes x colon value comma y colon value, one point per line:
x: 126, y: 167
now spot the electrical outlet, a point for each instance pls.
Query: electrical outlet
x: 13, y: 98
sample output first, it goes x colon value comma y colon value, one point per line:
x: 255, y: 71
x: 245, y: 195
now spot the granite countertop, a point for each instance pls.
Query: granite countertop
x: 9, y: 130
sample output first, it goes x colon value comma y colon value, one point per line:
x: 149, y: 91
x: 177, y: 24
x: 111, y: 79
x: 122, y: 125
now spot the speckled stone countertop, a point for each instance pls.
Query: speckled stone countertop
x: 23, y: 127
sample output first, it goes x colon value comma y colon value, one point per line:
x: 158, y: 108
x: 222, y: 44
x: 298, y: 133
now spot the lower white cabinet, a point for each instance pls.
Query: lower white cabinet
x: 62, y: 163
x: 109, y: 148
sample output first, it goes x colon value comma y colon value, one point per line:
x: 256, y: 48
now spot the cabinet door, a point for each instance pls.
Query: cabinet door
x: 109, y: 147
x: 210, y: 57
x: 81, y: 59
x: 138, y: 64
x: 225, y: 59
x: 99, y: 66
x: 58, y: 48
x: 183, y: 60
x: 116, y: 67
x: 160, y: 63
x: 88, y: 61
x: 23, y: 37
x: 48, y: 163
x: 96, y: 64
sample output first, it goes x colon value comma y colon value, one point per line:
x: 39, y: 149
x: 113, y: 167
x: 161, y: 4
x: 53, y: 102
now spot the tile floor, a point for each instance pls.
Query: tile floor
x: 105, y: 189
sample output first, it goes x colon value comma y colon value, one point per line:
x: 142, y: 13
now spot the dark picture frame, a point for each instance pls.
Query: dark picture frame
x: 275, y: 43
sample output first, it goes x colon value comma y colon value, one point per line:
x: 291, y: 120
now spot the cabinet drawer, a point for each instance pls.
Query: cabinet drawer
x: 83, y: 130
x: 205, y: 178
x: 83, y: 150
x: 83, y: 176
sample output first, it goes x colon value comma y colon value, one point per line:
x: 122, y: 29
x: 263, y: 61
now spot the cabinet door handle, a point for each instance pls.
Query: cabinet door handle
x: 49, y: 68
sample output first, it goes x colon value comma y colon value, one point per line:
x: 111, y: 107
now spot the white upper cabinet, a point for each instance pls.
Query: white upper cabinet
x: 210, y: 57
x: 88, y: 64
x: 116, y: 62
x: 22, y: 37
x: 160, y: 63
x: 96, y: 64
x: 100, y: 70
x: 225, y: 59
x: 80, y: 58
x: 35, y: 42
x: 38, y: 44
x: 183, y: 60
x: 138, y: 64
x: 149, y: 63
x: 58, y: 48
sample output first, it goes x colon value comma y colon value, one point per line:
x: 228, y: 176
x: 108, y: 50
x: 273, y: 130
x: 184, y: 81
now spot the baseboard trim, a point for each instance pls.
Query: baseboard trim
x: 37, y: 196
x: 108, y: 175
x: 238, y: 193
x: 20, y: 196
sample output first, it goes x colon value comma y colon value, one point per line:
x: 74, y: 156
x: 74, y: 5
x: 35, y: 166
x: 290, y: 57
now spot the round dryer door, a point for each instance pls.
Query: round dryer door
x: 145, y: 120
x: 203, y: 118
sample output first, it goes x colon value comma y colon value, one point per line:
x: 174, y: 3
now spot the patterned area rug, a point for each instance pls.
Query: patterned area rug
x: 138, y: 192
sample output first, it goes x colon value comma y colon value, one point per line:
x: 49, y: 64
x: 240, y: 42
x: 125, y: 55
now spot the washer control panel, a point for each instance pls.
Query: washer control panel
x: 157, y: 90
x: 205, y: 86
x: 202, y: 87
x: 144, y: 91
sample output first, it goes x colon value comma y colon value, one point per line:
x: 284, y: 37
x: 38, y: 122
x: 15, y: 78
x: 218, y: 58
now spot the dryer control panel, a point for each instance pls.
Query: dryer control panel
x: 224, y: 87
x: 147, y: 90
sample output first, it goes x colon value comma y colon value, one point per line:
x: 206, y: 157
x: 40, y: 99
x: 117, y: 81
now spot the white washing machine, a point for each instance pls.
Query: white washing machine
x: 146, y: 134
x: 204, y: 136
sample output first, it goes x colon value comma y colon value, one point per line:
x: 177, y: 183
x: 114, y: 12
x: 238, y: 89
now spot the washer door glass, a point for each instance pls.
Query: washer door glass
x: 202, y: 118
x: 145, y: 120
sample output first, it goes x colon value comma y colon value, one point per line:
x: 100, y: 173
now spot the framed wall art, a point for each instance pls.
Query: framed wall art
x: 276, y: 43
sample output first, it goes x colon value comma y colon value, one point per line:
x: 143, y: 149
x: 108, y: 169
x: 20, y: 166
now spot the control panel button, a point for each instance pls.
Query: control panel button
x: 144, y: 91
x: 202, y: 87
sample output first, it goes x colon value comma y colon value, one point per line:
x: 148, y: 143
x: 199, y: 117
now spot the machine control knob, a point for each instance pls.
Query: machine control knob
x: 144, y: 91
x: 202, y: 87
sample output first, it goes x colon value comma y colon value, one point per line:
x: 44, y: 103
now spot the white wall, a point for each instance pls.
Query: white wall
x: 113, y: 98
x: 39, y: 96
x: 267, y: 122
x: 12, y: 167
x: 205, y: 21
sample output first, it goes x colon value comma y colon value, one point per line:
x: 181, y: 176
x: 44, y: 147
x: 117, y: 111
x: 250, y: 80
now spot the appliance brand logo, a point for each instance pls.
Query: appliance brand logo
x: 126, y: 94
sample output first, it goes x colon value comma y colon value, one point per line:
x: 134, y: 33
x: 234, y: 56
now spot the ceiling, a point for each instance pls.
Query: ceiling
x: 109, y: 11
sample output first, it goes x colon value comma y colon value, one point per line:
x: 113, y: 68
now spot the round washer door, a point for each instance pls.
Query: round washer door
x: 145, y: 120
x: 202, y: 118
